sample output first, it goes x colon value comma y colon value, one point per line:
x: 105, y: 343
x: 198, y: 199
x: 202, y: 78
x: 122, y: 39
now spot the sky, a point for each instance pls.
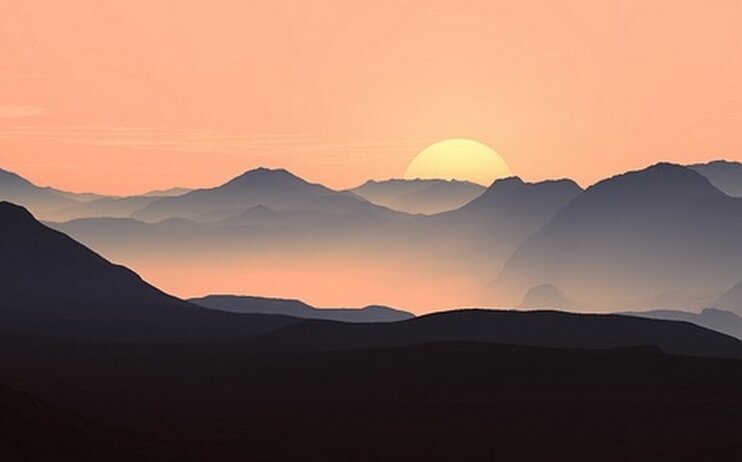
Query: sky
x: 123, y: 97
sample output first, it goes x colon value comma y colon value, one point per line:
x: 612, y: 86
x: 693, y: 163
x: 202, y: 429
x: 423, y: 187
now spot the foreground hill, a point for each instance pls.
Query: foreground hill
x: 663, y: 236
x: 419, y: 196
x: 536, y: 328
x: 507, y: 402
x: 49, y: 283
x: 298, y: 309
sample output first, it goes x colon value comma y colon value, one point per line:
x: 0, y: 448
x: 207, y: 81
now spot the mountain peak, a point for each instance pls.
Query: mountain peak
x: 264, y: 172
x: 515, y: 185
x: 661, y: 179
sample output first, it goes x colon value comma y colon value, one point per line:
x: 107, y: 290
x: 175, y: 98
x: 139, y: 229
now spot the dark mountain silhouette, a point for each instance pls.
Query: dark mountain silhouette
x: 299, y: 309
x: 725, y: 175
x: 275, y: 189
x: 49, y: 283
x: 536, y: 328
x: 419, y: 196
x: 660, y: 236
x: 546, y: 296
x: 722, y: 321
x: 731, y: 300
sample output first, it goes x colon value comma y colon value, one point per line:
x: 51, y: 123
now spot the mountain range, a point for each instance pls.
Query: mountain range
x: 659, y: 237
x: 503, y: 247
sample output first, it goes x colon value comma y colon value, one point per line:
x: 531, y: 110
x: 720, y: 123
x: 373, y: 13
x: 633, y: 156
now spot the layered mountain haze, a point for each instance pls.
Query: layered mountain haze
x: 296, y: 308
x: 419, y: 196
x: 278, y: 190
x: 317, y: 239
x: 663, y: 236
x: 17, y: 189
x: 485, y: 232
x: 562, y: 245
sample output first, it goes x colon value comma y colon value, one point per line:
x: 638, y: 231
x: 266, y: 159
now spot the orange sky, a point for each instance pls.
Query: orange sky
x: 122, y: 97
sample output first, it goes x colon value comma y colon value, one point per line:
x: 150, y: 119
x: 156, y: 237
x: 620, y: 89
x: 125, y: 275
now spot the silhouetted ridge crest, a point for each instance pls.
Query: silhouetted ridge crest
x: 662, y: 179
x: 265, y: 176
x: 10, y: 178
x: 508, y: 189
x: 12, y: 215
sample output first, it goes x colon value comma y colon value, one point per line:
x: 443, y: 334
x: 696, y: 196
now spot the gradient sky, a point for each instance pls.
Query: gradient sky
x: 122, y: 97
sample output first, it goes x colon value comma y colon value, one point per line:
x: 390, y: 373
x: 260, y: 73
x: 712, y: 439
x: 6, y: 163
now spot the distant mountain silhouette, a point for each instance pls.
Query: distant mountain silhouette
x: 51, y: 284
x: 419, y: 196
x: 170, y: 192
x: 536, y: 328
x: 276, y: 189
x: 730, y: 300
x: 546, y: 296
x: 725, y: 175
x: 722, y: 321
x: 487, y: 230
x: 660, y: 236
x: 298, y: 309
x: 16, y: 189
x: 470, y: 242
x: 109, y: 207
x: 57, y: 205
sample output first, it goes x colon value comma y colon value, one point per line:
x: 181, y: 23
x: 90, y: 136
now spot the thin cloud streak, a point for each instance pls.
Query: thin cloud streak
x: 10, y: 111
x: 179, y: 140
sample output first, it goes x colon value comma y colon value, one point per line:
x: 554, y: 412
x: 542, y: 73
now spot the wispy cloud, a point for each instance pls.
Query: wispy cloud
x: 200, y: 141
x: 10, y: 111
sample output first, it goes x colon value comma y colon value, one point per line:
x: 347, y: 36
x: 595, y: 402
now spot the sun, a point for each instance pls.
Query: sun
x: 458, y: 159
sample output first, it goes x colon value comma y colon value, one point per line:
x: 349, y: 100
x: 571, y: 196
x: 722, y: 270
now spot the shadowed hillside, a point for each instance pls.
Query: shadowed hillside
x: 49, y: 283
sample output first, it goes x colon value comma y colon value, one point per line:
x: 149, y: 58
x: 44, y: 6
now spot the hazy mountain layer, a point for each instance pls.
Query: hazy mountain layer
x: 664, y: 236
x: 276, y: 189
x: 344, y: 251
x: 298, y: 309
x: 419, y: 196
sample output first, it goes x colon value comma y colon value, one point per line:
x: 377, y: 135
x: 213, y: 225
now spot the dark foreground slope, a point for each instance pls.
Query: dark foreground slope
x: 440, y: 401
x: 536, y: 328
x: 53, y: 285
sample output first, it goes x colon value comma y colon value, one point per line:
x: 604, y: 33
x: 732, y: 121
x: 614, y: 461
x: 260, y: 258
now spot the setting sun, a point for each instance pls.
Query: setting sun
x: 458, y: 159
